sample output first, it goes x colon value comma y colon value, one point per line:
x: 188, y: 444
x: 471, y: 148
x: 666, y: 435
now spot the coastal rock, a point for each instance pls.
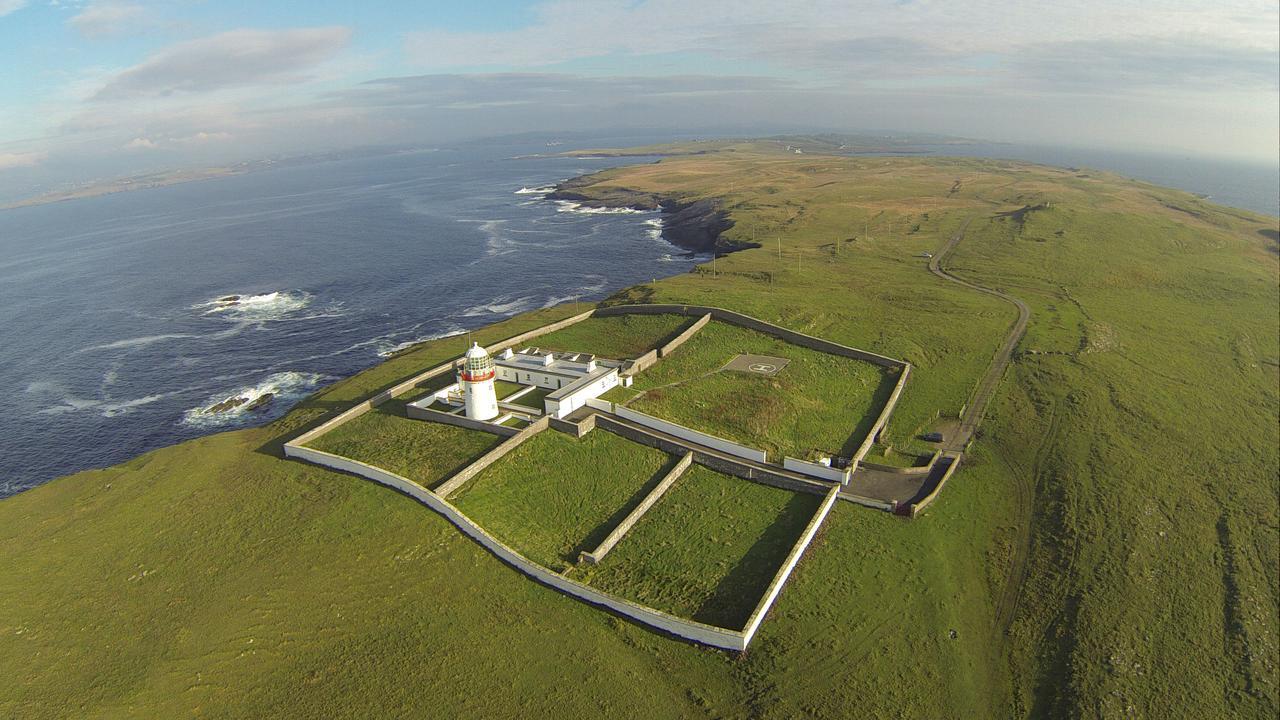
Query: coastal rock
x: 697, y: 226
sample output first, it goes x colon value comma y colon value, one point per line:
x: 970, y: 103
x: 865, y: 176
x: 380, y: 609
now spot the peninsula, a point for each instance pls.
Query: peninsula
x: 1099, y: 354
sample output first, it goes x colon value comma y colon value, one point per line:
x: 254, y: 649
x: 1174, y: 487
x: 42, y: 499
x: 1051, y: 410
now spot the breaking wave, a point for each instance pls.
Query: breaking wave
x: 539, y: 190
x: 266, y: 306
x: 246, y: 402
x: 569, y: 206
x: 501, y: 306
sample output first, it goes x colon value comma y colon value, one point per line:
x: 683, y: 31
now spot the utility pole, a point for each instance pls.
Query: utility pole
x: 779, y: 248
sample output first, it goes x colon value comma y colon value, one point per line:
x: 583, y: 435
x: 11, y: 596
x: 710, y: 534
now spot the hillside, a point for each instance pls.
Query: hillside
x: 1108, y: 549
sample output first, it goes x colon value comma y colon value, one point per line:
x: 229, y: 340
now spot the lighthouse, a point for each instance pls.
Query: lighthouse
x: 477, y: 384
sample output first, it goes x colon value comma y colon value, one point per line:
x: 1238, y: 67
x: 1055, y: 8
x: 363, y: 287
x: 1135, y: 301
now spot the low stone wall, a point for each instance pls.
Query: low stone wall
x: 489, y: 458
x: 576, y: 429
x: 642, y: 363
x: 913, y: 470
x: 688, y: 629
x: 421, y: 413
x: 887, y: 506
x: 689, y: 434
x: 919, y: 507
x: 735, y: 318
x: 719, y: 463
x: 883, y: 419
x: 497, y: 347
x: 595, y: 556
x: 683, y: 337
x: 816, y: 470
x: 784, y: 572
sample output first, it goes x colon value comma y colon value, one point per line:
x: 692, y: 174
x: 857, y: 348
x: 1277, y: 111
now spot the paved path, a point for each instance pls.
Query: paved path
x: 977, y: 406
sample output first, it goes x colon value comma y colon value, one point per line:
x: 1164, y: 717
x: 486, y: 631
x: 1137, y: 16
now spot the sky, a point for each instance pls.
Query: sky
x: 96, y: 88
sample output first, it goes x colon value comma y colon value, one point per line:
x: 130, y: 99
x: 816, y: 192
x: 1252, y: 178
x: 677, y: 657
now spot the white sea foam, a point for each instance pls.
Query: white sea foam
x: 389, y: 350
x: 266, y: 306
x: 107, y: 407
x: 539, y: 190
x: 282, y: 386
x: 654, y: 228
x: 502, y: 306
x: 569, y: 206
x: 137, y: 342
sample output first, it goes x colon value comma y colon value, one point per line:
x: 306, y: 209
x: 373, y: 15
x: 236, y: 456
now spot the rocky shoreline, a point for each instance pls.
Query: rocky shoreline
x: 694, y: 225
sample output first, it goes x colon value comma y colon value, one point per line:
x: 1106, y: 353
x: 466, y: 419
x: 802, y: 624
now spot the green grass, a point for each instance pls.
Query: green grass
x: 533, y: 399
x: 502, y: 388
x: 425, y: 452
x: 555, y: 496
x: 618, y: 338
x: 1134, y: 477
x: 708, y: 549
x: 818, y: 402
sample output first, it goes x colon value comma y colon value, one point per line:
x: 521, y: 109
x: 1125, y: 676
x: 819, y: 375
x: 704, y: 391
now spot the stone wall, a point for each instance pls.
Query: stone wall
x: 576, y: 429
x: 734, y: 318
x: 684, y: 336
x: 816, y: 470
x: 913, y: 470
x: 720, y: 463
x: 595, y: 556
x: 688, y: 629
x: 421, y: 413
x: 642, y: 363
x: 784, y: 572
x: 689, y: 434
x: 883, y: 419
x: 919, y: 507
x: 452, y: 484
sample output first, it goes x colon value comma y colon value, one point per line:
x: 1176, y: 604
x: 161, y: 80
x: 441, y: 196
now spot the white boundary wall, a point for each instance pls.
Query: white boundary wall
x: 688, y: 629
x: 816, y: 470
x: 694, y: 436
x: 775, y: 587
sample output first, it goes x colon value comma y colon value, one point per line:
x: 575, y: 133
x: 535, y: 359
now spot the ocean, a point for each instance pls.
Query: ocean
x: 118, y: 325
x: 124, y: 317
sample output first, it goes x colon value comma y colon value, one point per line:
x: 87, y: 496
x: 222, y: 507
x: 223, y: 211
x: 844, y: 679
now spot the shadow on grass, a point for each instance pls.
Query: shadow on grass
x: 738, y: 593
x: 601, y: 531
x: 887, y: 381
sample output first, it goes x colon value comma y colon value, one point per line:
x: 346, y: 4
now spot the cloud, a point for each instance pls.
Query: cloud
x: 11, y: 6
x: 238, y: 58
x: 21, y: 160
x: 141, y: 143
x: 106, y: 17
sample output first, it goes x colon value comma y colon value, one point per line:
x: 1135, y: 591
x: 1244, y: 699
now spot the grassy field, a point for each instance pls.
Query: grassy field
x: 818, y: 402
x: 425, y: 452
x: 555, y: 496
x: 618, y: 338
x: 708, y: 549
x: 1108, y: 549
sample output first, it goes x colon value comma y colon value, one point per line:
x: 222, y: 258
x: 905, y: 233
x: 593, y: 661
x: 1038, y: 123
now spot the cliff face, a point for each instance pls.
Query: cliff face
x: 696, y: 226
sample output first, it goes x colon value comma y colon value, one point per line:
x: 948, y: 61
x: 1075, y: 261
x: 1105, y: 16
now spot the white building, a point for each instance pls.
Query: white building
x: 573, y: 378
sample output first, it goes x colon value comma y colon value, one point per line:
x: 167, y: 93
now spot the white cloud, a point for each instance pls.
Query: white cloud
x: 141, y: 143
x: 237, y: 58
x: 21, y: 160
x: 10, y: 6
x: 107, y: 17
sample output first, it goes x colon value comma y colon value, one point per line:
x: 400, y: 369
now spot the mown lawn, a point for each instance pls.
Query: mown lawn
x: 708, y: 549
x: 555, y: 496
x: 425, y: 452
x: 818, y: 402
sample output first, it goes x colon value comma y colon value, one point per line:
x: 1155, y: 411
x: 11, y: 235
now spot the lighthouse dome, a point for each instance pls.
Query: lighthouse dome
x: 477, y: 364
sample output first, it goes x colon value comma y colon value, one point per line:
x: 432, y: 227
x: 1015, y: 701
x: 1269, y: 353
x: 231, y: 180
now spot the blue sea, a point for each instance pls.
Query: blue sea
x: 118, y: 327
x: 117, y: 331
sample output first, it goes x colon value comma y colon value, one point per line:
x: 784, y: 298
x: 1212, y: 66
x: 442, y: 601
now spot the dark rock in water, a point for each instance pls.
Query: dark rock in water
x: 260, y: 402
x: 229, y: 299
x: 230, y: 403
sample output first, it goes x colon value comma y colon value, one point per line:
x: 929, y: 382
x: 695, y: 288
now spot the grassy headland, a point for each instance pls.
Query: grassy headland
x: 1108, y: 549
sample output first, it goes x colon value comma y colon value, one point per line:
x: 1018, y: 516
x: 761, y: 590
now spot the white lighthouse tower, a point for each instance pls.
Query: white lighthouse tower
x: 477, y: 384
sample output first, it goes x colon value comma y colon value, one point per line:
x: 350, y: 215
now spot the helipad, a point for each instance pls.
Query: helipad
x: 757, y: 364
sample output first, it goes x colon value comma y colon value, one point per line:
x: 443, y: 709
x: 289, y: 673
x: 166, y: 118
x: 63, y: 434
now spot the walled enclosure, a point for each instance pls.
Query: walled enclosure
x: 688, y: 629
